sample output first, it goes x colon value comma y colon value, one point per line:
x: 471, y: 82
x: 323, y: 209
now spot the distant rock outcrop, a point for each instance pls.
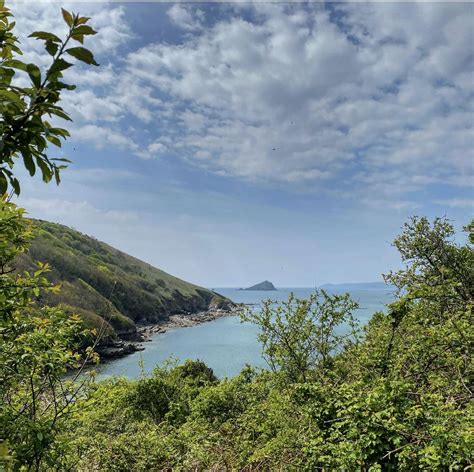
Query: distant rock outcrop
x: 264, y: 286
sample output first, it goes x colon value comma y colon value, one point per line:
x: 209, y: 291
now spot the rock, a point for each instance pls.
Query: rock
x: 116, y: 349
x: 266, y: 285
x: 135, y: 336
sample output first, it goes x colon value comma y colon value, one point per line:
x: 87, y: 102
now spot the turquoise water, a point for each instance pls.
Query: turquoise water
x: 225, y: 344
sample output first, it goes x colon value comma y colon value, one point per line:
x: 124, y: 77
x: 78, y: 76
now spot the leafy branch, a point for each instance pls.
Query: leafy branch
x: 24, y: 128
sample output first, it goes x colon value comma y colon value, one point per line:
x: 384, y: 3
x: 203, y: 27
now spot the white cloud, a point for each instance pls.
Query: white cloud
x: 94, y: 100
x: 95, y: 77
x: 102, y: 137
x: 86, y: 106
x: 107, y: 19
x: 297, y: 98
x: 457, y: 203
x: 154, y: 149
x: 55, y: 209
x: 111, y: 25
x: 377, y: 102
x: 185, y: 17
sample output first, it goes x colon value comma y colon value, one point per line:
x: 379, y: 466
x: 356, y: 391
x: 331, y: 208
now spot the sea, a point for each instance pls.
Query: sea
x: 226, y: 344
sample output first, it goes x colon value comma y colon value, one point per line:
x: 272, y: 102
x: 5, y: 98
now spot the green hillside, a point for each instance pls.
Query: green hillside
x: 92, y: 272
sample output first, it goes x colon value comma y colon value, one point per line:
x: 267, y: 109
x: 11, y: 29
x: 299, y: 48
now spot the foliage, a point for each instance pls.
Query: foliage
x: 37, y: 345
x: 397, y: 399
x: 299, y: 336
x: 24, y: 128
x: 438, y: 268
x: 41, y: 331
x: 99, y: 282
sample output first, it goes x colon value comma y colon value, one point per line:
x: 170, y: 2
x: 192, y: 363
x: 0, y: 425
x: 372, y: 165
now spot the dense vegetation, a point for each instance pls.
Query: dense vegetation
x: 37, y: 344
x: 395, y: 396
x: 102, y: 284
x: 397, y: 399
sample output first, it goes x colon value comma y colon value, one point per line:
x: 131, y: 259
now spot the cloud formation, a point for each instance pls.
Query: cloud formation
x: 353, y: 99
x: 371, y: 96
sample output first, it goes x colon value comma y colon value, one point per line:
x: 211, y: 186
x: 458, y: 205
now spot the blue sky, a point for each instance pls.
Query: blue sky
x: 231, y: 143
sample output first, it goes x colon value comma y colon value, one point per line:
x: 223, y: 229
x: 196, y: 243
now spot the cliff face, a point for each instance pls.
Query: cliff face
x: 265, y: 285
x: 93, y: 273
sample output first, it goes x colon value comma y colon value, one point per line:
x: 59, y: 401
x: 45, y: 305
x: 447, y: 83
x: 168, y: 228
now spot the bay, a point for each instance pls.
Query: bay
x: 226, y: 345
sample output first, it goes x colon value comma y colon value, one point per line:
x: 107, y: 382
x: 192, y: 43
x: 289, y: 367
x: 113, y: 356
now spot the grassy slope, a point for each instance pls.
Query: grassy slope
x: 92, y: 272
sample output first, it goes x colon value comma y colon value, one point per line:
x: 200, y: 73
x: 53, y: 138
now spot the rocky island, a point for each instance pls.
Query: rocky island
x: 263, y: 286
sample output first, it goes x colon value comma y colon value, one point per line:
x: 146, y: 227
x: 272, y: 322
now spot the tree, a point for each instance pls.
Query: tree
x: 37, y: 345
x: 299, y: 336
x: 437, y: 267
x: 24, y: 128
x: 438, y: 280
x: 417, y: 359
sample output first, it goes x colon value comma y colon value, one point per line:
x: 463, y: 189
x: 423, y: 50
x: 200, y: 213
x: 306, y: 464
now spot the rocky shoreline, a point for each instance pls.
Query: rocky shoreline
x: 134, y: 343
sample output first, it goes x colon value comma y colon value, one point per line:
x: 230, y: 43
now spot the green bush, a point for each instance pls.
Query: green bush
x: 396, y: 399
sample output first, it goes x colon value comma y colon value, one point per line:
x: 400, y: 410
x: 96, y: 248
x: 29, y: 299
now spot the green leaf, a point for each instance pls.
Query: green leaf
x: 78, y: 37
x: 51, y: 47
x: 45, y: 36
x: 35, y: 74
x: 29, y: 163
x: 45, y: 169
x: 57, y: 177
x: 83, y: 55
x: 62, y: 85
x: 15, y: 185
x: 59, y: 112
x: 6, y: 51
x: 84, y: 30
x: 53, y: 139
x: 67, y: 17
x: 40, y: 142
x: 3, y: 183
x: 6, y: 75
x: 82, y: 20
x: 11, y: 95
x: 15, y: 64
x: 60, y: 132
x: 58, y: 66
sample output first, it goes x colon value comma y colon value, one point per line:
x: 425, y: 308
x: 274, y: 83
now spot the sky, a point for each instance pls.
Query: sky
x: 229, y: 143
